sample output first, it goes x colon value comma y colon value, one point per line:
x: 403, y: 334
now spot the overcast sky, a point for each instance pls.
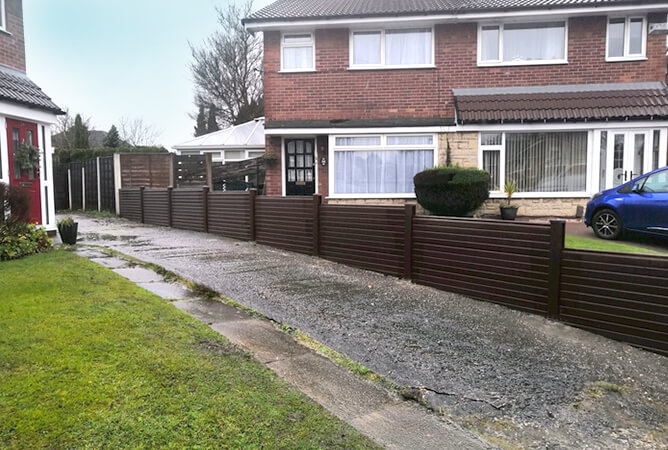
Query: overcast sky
x: 126, y: 58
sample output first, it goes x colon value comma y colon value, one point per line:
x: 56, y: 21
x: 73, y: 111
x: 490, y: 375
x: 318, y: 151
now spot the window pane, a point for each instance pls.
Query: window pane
x: 530, y: 42
x: 490, y: 139
x: 603, y: 161
x: 357, y: 141
x: 657, y: 182
x: 366, y: 48
x: 291, y: 147
x: 298, y: 58
x: 490, y: 43
x: 15, y: 146
x: 296, y: 38
x: 547, y: 162
x: 638, y: 155
x: 618, y: 160
x: 291, y: 175
x: 655, y: 149
x: 405, y: 47
x: 410, y: 140
x: 635, y: 37
x: 234, y: 154
x: 491, y: 163
x: 616, y: 37
x: 380, y: 171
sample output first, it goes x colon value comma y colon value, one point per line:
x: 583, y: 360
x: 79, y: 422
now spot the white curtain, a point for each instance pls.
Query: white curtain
x: 297, y: 57
x: 616, y: 37
x: 379, y: 171
x: 366, y: 48
x: 527, y: 42
x: 547, y: 162
x: 490, y: 43
x: 406, y: 47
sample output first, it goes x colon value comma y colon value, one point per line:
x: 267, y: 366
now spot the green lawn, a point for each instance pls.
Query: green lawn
x: 610, y: 246
x: 88, y: 359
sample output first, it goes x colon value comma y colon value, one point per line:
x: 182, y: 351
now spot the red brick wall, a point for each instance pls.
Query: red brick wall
x: 12, y: 46
x: 323, y: 173
x: 333, y: 92
x: 272, y: 176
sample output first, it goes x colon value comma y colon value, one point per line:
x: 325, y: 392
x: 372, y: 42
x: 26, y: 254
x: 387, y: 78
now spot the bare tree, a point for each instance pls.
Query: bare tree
x: 137, y: 133
x: 63, y: 136
x: 227, y: 69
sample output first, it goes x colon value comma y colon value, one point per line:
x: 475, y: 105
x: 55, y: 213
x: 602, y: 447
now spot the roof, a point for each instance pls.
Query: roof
x: 245, y: 135
x: 331, y: 9
x: 16, y: 87
x: 559, y: 103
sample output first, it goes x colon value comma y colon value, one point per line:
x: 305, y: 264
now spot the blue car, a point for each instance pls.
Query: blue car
x: 641, y: 205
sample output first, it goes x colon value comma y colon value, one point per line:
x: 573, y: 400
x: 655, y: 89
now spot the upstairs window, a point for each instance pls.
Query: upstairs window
x: 392, y: 48
x: 522, y: 43
x: 3, y: 16
x: 297, y: 52
x: 626, y: 38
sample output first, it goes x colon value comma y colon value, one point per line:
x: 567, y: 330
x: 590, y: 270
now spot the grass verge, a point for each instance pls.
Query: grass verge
x: 585, y: 243
x: 88, y: 359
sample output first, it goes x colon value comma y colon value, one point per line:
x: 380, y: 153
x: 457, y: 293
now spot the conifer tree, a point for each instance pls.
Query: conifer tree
x: 200, y: 127
x: 112, y: 139
x: 211, y: 123
x: 80, y: 133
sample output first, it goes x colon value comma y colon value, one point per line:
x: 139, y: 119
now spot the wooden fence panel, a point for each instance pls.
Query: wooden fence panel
x: 107, y: 184
x: 190, y: 171
x: 189, y: 209
x: 502, y: 262
x: 285, y: 222
x: 156, y: 207
x: 76, y: 185
x: 617, y: 295
x: 370, y: 237
x: 131, y: 204
x: 146, y: 169
x: 90, y: 185
x: 229, y: 214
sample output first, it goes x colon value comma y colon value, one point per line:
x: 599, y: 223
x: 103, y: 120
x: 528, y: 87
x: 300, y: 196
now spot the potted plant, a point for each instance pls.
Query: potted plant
x: 508, y: 211
x: 270, y: 159
x: 67, y: 228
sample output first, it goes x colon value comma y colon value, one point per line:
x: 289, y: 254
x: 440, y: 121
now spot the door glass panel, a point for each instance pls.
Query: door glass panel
x: 300, y: 160
x: 309, y: 146
x: 603, y: 160
x: 291, y: 147
x: 291, y: 161
x: 618, y: 160
x: 29, y: 141
x: 300, y: 175
x: 308, y: 160
x: 291, y: 175
x: 309, y: 175
x: 655, y: 149
x: 15, y: 145
x: 300, y: 146
x: 638, y: 155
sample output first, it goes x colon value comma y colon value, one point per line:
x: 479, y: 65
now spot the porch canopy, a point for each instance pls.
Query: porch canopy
x: 562, y: 103
x: 246, y: 136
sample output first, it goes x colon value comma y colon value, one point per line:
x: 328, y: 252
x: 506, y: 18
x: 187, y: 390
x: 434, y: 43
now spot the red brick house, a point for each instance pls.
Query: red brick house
x: 564, y: 97
x: 27, y: 114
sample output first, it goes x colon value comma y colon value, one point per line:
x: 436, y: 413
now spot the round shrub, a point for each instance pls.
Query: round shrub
x: 451, y: 191
x: 20, y: 239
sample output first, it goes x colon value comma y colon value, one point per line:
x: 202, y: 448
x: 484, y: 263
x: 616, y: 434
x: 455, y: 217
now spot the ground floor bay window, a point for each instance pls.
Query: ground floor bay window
x: 378, y: 166
x: 569, y: 163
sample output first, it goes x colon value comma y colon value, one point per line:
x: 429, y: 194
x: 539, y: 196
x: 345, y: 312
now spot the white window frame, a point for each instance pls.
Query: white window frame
x: 383, y: 146
x: 382, y: 65
x: 300, y: 44
x: 3, y: 19
x: 502, y: 157
x: 501, y: 62
x: 627, y: 40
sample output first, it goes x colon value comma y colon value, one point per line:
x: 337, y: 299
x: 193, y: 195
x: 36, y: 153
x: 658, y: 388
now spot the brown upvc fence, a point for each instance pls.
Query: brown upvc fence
x: 520, y: 265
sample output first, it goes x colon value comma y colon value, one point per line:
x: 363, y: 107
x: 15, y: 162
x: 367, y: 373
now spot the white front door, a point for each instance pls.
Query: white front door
x: 629, y: 155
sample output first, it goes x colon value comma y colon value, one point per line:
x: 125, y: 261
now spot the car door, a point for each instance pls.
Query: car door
x: 646, y: 209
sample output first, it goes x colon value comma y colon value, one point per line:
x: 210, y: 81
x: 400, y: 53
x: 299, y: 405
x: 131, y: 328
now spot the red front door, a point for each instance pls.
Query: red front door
x: 18, y: 133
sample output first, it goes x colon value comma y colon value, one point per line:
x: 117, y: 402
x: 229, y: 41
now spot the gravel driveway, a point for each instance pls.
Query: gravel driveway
x: 518, y: 379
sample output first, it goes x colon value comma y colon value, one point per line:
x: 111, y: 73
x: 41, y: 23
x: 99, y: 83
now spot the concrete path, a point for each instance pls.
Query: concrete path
x: 515, y: 378
x: 379, y: 414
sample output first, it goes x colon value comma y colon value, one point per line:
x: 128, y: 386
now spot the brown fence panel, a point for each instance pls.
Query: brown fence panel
x: 370, y: 237
x: 618, y: 295
x: 146, y: 169
x: 131, y: 203
x: 156, y: 207
x: 229, y: 214
x: 505, y: 263
x: 188, y: 209
x: 285, y: 222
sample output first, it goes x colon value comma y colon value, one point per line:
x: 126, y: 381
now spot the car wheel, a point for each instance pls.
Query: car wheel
x: 606, y: 224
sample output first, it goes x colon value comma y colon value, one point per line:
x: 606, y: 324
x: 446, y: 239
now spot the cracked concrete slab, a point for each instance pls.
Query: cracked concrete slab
x: 210, y: 311
x: 111, y: 262
x: 139, y: 275
x: 170, y: 291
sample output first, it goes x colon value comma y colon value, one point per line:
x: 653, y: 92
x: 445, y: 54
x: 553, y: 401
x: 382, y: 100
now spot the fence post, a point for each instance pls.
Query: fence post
x: 317, y: 201
x: 557, y: 235
x: 209, y: 172
x: 83, y: 188
x: 252, y: 194
x: 169, y: 206
x: 118, y: 182
x: 205, y: 198
x: 141, y: 203
x: 69, y: 187
x: 99, y: 185
x: 409, y: 213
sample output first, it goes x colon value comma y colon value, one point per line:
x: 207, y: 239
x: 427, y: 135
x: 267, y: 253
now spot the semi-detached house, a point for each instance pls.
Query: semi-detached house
x: 564, y: 97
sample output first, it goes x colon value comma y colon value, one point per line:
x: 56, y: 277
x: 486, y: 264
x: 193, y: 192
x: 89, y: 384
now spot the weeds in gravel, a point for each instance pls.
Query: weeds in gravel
x: 598, y: 388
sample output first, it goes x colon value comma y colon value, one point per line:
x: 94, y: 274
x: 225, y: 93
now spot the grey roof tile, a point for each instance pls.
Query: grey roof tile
x: 16, y: 87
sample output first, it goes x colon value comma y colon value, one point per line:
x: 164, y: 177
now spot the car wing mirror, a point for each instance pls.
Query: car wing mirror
x: 637, y: 188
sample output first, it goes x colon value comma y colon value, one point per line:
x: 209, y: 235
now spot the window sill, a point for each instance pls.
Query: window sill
x: 297, y: 71
x: 523, y: 195
x: 523, y: 63
x: 369, y: 196
x: 421, y: 66
x: 4, y: 31
x: 626, y: 59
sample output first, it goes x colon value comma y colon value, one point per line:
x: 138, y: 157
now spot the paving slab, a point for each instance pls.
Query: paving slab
x: 139, y: 275
x: 261, y: 338
x: 111, y: 262
x: 167, y: 290
x: 406, y: 426
x: 211, y: 311
x: 90, y: 253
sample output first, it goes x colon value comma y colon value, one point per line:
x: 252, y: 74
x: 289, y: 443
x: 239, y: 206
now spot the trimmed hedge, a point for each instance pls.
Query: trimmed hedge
x: 451, y: 191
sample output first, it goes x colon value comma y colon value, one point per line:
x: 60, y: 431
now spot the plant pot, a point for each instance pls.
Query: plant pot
x: 508, y: 212
x: 68, y: 233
